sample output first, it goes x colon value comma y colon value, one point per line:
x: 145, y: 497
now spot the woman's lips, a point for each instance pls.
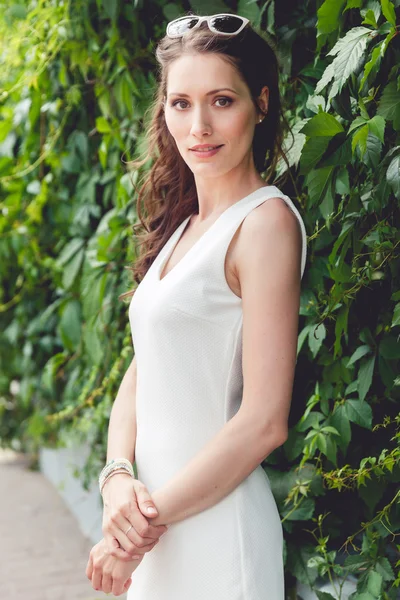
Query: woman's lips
x: 206, y: 153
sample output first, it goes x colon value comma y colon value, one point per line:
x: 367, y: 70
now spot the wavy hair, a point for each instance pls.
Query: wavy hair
x: 168, y: 191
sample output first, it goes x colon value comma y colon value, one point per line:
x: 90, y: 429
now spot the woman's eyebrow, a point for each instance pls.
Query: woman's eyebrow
x: 208, y: 93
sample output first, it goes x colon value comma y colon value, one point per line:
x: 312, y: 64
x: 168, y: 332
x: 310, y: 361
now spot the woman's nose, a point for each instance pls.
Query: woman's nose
x: 201, y: 123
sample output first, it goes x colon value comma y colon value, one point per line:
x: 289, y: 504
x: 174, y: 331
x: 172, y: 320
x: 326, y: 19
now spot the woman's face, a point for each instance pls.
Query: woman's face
x: 200, y: 109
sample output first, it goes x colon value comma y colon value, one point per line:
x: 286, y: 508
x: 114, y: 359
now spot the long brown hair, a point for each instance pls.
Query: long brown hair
x: 168, y: 190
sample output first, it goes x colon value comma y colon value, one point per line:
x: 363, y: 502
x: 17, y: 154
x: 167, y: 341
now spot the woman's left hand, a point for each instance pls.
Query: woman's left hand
x: 107, y: 573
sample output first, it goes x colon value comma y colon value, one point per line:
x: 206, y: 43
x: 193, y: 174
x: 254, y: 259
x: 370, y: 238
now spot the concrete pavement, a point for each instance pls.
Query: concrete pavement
x: 43, y: 553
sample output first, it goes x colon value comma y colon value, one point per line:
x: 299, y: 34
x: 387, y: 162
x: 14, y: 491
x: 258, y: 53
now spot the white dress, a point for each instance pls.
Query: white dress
x: 186, y: 330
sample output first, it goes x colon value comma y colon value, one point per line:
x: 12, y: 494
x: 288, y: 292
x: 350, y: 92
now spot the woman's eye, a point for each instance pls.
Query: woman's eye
x: 225, y: 99
x: 229, y: 100
x: 178, y: 102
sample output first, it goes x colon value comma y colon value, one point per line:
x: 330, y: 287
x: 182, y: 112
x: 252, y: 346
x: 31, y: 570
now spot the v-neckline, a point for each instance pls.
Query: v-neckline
x: 183, y: 225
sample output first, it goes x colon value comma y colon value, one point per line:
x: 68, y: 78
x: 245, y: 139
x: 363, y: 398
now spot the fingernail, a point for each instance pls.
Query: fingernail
x: 151, y: 510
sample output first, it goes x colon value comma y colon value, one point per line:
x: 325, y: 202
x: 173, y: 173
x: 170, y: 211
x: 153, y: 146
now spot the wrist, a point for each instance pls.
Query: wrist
x: 162, y: 517
x: 114, y: 476
x: 114, y: 466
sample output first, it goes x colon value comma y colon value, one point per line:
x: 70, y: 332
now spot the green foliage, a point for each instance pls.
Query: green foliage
x: 75, y: 83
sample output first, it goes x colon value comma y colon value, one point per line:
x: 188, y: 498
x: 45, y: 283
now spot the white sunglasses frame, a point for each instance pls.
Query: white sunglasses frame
x: 245, y: 21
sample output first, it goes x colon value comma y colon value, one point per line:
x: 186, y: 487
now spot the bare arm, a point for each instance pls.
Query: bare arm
x: 122, y: 424
x: 126, y: 500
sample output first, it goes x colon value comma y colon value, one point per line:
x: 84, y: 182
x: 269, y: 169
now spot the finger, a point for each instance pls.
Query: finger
x: 114, y: 549
x: 96, y: 578
x: 145, y: 501
x: 132, y: 542
x: 119, y: 527
x: 128, y: 584
x: 118, y: 587
x: 89, y: 567
x: 147, y: 507
x: 107, y: 582
x: 143, y: 531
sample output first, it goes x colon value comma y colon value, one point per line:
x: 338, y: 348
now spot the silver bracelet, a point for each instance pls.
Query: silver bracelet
x: 115, y: 472
x: 113, y: 465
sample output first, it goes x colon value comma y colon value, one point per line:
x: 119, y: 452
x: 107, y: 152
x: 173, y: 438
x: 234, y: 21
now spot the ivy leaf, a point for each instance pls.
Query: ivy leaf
x: 341, y: 422
x: 292, y: 147
x: 72, y: 269
x: 372, y: 492
x: 317, y: 182
x: 102, y: 125
x: 93, y: 344
x: 316, y: 103
x: 389, y: 105
x: 304, y: 512
x: 342, y: 182
x: 365, y: 374
x: 356, y: 562
x: 328, y: 16
x: 298, y: 558
x: 311, y: 153
x: 393, y: 176
x: 294, y: 444
x: 374, y: 584
x: 358, y: 121
x: 321, y: 125
x: 349, y: 54
x: 70, y: 250
x: 384, y: 568
x: 70, y: 325
x: 353, y: 4
x: 249, y: 10
x: 359, y: 353
x: 376, y: 126
x: 377, y: 53
x: 360, y: 139
x: 373, y: 150
x: 331, y: 450
x: 388, y: 11
x: 370, y: 19
x: 327, y: 76
x: 396, y: 315
x: 315, y: 338
x: 359, y: 412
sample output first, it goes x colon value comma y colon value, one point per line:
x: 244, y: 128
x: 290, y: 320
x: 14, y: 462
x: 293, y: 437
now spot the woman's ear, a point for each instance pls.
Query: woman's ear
x: 263, y: 99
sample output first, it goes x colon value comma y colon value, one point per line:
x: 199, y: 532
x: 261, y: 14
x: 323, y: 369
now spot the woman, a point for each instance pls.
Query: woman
x: 214, y: 324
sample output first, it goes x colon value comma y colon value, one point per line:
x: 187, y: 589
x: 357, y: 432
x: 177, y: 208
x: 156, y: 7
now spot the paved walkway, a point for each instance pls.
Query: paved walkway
x: 43, y: 553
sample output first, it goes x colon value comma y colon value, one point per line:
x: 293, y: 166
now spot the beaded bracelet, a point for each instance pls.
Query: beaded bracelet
x: 115, y: 472
x: 113, y: 465
x: 110, y: 466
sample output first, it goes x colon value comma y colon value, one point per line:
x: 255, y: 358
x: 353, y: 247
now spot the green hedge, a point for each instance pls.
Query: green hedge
x: 75, y: 81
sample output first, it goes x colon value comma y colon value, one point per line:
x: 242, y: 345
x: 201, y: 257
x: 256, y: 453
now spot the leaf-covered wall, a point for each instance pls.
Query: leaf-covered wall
x: 76, y: 78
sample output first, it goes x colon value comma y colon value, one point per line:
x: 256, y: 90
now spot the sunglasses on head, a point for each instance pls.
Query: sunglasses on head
x: 221, y: 24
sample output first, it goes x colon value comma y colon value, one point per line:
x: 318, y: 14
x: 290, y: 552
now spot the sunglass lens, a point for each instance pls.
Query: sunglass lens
x: 181, y: 26
x: 227, y: 24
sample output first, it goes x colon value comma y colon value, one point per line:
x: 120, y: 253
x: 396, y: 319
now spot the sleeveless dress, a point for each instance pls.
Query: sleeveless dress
x: 186, y: 330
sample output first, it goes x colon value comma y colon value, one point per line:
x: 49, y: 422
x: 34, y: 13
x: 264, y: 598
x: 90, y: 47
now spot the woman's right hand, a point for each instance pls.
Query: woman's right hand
x: 126, y: 502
